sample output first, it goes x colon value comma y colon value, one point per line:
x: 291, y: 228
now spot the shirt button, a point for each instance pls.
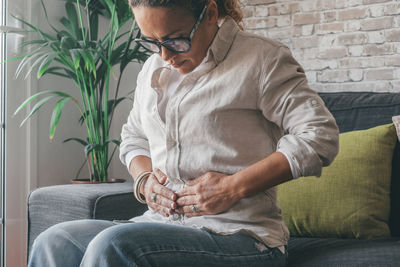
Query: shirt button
x: 314, y: 102
x: 171, y: 144
x: 175, y: 216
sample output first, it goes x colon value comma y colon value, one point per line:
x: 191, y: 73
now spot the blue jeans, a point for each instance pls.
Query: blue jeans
x: 105, y: 243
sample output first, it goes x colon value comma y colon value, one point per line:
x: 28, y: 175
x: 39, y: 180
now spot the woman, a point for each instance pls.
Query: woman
x: 220, y: 117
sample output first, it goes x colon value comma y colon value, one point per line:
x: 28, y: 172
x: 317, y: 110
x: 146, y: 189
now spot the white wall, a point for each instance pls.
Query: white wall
x: 32, y: 160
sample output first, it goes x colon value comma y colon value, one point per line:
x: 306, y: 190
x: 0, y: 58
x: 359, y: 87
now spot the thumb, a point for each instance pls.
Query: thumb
x: 160, y: 176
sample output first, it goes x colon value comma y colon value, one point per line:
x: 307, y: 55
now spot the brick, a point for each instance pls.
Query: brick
x: 309, y: 5
x: 305, y: 42
x: 309, y: 53
x: 283, y: 20
x: 330, y: 16
x: 333, y: 76
x: 281, y: 33
x: 333, y: 53
x: 393, y: 35
x: 379, y: 74
x: 283, y: 9
x: 352, y: 39
x: 311, y: 18
x: 353, y: 26
x: 377, y: 24
x: 356, y: 50
x: 395, y: 86
x: 356, y: 75
x: 261, y: 11
x: 397, y: 73
x: 340, y: 4
x: 354, y: 13
x: 260, y: 23
x: 311, y: 76
x: 316, y: 64
x: 361, y: 62
x: 327, y: 40
x: 330, y: 28
x: 294, y: 7
x: 370, y: 86
x: 376, y: 37
x: 376, y: 11
x: 352, y: 3
x: 260, y: 2
x: 368, y: 2
x: 307, y: 30
x: 392, y: 61
x: 392, y: 9
x: 298, y: 30
x: 248, y: 11
x: 326, y: 5
x: 377, y: 50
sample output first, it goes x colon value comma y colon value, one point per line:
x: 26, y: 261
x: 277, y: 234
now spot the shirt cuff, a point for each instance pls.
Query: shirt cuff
x: 302, y: 158
x: 134, y: 153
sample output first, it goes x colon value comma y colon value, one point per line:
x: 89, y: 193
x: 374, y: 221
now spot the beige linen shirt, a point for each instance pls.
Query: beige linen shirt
x: 249, y: 99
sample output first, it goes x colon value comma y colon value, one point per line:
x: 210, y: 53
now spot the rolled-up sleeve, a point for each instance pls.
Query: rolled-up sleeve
x: 311, y: 136
x: 133, y: 140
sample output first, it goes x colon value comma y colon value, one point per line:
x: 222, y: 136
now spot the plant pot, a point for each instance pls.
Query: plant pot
x: 88, y: 181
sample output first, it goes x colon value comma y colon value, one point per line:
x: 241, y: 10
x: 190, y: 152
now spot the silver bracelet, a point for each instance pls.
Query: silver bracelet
x: 137, y: 184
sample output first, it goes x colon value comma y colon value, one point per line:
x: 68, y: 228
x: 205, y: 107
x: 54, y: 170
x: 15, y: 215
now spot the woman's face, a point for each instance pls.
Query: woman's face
x: 161, y: 23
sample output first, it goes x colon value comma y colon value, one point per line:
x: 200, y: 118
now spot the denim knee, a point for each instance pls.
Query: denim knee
x: 54, y: 247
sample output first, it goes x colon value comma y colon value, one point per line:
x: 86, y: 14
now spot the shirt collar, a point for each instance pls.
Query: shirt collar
x: 223, y: 39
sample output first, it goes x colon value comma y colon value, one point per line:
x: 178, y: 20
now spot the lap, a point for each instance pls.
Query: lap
x: 156, y: 244
x: 159, y: 244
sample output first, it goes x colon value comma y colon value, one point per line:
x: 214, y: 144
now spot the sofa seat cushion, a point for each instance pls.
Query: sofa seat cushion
x: 343, y: 252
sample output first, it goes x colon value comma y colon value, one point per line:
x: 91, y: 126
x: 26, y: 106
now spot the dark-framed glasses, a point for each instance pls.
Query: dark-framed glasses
x: 176, y: 45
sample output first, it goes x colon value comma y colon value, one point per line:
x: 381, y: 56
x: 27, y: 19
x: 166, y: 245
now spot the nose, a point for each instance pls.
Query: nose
x: 166, y: 54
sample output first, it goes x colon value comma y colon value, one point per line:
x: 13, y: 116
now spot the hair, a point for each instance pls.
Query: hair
x: 225, y: 7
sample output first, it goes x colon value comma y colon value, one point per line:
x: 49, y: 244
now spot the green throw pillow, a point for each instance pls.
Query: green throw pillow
x: 352, y: 197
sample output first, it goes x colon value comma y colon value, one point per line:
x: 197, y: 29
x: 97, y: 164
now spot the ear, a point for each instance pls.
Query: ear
x: 212, y: 13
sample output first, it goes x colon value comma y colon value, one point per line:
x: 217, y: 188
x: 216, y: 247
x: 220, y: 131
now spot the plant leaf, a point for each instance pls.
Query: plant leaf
x: 73, y: 19
x: 31, y: 98
x: 55, y: 117
x: 35, y: 108
x: 80, y: 141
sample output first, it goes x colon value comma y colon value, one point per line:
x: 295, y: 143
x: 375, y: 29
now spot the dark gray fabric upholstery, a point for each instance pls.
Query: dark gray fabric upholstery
x: 54, y: 204
x: 330, y: 252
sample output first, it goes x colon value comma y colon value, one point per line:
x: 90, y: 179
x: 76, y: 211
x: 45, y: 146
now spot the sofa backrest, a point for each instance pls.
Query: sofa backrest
x: 363, y: 110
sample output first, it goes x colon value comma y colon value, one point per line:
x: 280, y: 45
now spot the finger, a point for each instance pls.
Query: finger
x: 161, y: 177
x: 163, y: 191
x: 165, y: 202
x: 186, y: 200
x: 186, y: 191
x: 188, y: 209
x: 194, y: 214
x: 160, y: 209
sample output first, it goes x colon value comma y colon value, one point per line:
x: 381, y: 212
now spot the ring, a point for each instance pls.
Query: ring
x: 195, y: 209
x: 153, y: 197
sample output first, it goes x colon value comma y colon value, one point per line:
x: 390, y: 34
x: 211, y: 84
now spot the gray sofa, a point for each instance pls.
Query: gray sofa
x: 353, y: 111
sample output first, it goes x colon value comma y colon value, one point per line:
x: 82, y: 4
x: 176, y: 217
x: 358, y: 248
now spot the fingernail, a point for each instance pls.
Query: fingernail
x: 173, y: 205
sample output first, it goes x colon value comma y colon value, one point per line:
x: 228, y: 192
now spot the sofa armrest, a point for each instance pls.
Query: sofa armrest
x: 48, y: 206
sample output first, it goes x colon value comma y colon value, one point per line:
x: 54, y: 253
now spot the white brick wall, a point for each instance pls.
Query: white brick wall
x: 344, y: 45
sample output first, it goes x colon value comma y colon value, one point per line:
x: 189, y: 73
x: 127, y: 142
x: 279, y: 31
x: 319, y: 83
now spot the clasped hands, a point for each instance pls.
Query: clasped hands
x: 208, y: 194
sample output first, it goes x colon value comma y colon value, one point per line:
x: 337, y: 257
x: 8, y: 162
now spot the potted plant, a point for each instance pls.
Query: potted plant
x: 77, y: 51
